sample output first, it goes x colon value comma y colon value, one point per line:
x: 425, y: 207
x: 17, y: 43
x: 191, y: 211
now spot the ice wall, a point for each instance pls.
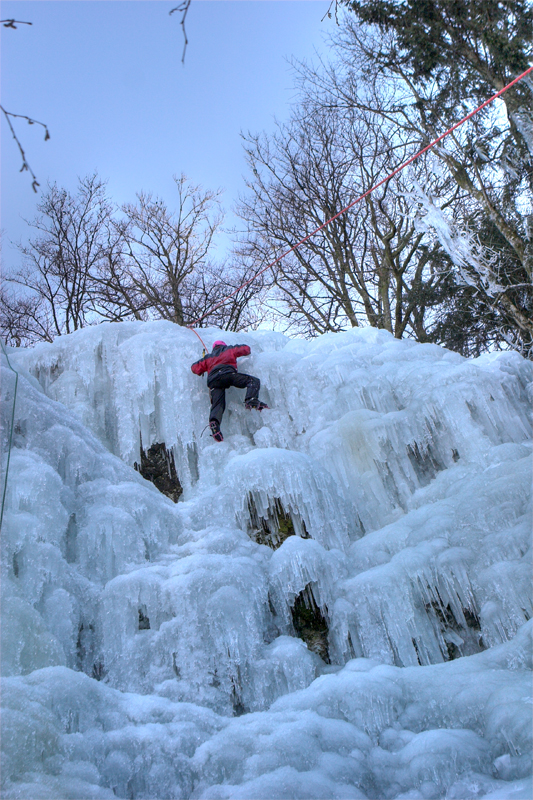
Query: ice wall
x: 382, y: 416
x: 392, y: 483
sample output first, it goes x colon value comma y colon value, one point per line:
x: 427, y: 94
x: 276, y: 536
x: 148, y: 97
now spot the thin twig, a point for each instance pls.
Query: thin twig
x: 183, y: 8
x: 25, y: 165
x: 328, y: 12
x: 10, y: 23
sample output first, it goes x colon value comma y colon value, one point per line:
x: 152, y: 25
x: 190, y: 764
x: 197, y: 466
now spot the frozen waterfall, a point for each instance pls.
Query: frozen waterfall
x: 336, y: 607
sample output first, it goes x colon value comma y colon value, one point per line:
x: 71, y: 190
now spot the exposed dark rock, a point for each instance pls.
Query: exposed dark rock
x: 424, y: 462
x: 417, y: 651
x: 71, y: 548
x: 215, y: 682
x: 472, y: 619
x: 461, y: 640
x: 175, y: 668
x: 85, y: 648
x: 236, y: 695
x: 310, y: 624
x: 144, y: 621
x: 98, y: 671
x: 238, y: 708
x: 277, y: 527
x: 158, y: 466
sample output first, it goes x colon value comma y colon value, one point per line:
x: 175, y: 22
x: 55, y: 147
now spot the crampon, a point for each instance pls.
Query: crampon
x: 257, y: 406
x: 216, y: 433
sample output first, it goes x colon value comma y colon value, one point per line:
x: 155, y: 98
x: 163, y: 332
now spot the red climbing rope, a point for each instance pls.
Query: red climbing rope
x: 197, y: 334
x: 365, y: 194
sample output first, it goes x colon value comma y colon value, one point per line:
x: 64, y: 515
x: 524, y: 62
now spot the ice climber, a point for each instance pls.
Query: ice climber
x: 221, y: 367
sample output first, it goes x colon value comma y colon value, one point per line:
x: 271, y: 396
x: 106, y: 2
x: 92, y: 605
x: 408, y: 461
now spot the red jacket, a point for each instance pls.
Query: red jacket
x: 220, y: 356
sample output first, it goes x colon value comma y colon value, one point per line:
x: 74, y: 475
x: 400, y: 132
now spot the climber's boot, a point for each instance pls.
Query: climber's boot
x: 216, y: 433
x: 255, y: 404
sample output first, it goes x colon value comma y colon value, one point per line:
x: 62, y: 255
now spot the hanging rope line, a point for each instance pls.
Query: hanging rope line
x: 10, y: 432
x: 365, y: 194
x: 197, y: 334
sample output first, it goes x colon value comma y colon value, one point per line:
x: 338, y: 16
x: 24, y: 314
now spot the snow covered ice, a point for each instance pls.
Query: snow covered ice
x: 337, y: 606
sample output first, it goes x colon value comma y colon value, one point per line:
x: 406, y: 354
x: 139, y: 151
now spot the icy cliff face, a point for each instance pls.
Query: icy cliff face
x: 337, y: 606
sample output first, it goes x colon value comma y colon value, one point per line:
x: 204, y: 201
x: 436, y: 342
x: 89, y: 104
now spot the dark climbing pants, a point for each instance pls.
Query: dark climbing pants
x: 219, y: 384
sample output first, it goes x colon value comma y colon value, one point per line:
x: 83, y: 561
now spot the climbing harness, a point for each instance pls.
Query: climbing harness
x: 10, y: 432
x: 365, y: 194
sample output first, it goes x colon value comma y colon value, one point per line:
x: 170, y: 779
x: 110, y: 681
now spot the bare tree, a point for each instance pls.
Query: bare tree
x: 227, y: 296
x: 24, y: 320
x: 65, y: 263
x: 485, y: 166
x: 85, y: 264
x: 169, y: 262
x: 370, y: 265
x: 164, y: 248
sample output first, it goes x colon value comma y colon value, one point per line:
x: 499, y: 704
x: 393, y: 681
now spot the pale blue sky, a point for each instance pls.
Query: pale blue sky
x: 106, y: 76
